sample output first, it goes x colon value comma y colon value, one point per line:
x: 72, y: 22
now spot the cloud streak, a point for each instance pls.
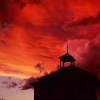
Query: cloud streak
x: 86, y: 21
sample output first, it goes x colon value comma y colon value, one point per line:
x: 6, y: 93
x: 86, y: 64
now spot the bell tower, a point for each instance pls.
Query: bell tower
x: 67, y: 58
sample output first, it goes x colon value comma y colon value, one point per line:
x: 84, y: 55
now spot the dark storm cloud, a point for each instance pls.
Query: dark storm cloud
x: 38, y: 2
x: 55, y: 28
x: 23, y: 3
x: 61, y: 33
x: 86, y: 21
x: 7, y: 11
x: 89, y: 58
x: 10, y: 8
x: 3, y: 26
x: 5, y: 29
x: 29, y: 1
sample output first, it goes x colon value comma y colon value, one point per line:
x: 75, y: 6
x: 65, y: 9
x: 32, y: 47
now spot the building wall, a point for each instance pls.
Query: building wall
x: 65, y: 93
x: 80, y: 93
x: 57, y: 93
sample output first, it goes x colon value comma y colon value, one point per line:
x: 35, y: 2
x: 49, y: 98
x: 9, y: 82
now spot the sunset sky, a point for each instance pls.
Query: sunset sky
x: 33, y: 35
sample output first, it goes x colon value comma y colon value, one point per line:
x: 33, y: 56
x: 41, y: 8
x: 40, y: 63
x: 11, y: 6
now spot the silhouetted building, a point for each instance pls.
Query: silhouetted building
x: 67, y: 83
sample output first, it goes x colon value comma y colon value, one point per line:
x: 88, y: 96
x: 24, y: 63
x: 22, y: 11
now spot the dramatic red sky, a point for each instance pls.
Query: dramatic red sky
x: 33, y: 33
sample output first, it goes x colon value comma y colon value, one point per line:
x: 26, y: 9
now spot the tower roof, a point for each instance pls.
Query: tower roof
x: 67, y: 58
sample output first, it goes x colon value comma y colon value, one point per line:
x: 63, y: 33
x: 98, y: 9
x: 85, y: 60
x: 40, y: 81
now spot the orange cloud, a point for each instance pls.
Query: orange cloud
x: 38, y: 31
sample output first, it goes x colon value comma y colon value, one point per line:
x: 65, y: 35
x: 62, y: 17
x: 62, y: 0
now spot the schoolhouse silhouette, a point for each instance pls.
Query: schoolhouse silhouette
x: 67, y: 83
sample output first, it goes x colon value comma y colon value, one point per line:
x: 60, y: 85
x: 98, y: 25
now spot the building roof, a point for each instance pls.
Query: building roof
x: 68, y: 75
x: 67, y: 57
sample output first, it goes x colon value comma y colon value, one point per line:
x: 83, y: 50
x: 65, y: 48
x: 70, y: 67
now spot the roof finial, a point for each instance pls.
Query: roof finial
x: 67, y: 47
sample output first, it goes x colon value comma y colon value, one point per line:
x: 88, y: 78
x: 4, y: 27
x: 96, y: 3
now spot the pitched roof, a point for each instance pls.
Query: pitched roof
x: 67, y: 75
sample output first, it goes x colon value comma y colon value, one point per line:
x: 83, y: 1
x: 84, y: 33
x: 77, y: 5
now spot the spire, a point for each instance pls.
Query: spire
x: 67, y: 47
x: 67, y: 57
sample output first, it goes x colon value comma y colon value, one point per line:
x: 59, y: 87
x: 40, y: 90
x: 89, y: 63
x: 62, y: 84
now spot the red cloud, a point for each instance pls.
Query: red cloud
x: 40, y: 29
